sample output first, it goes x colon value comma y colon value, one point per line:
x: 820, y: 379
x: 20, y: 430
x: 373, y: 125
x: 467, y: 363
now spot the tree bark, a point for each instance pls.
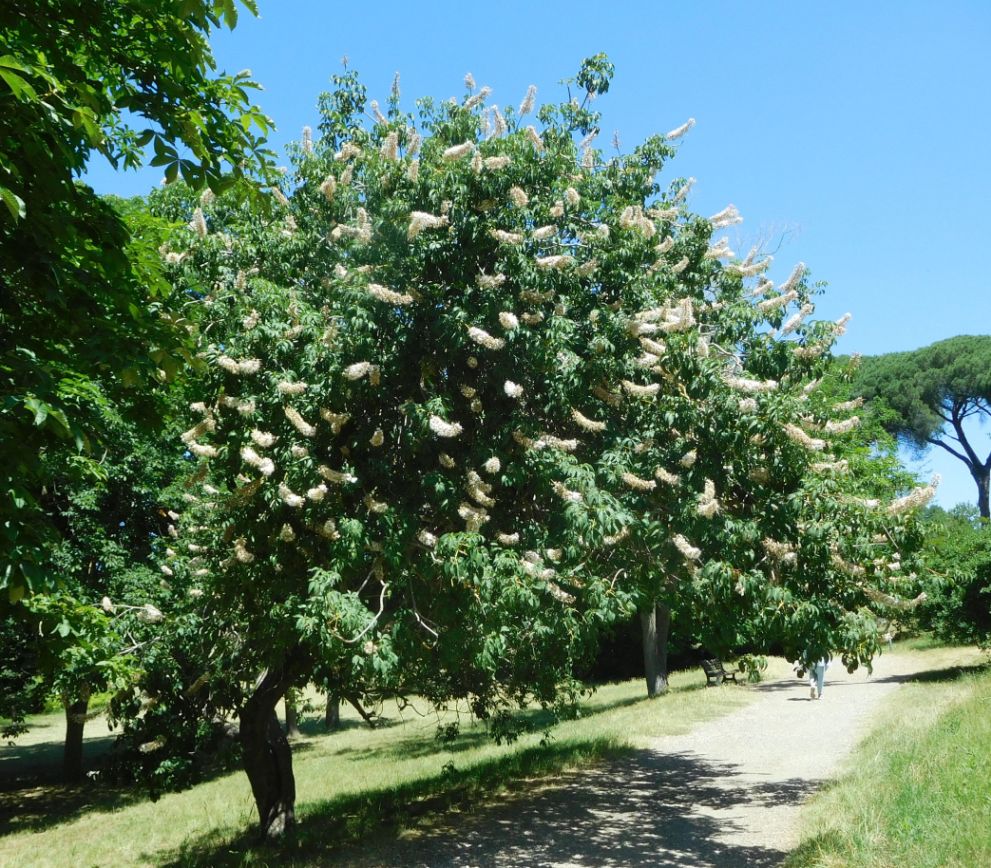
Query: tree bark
x: 655, y: 624
x: 268, y: 757
x: 75, y: 722
x: 982, y: 476
x: 292, y: 715
x: 332, y: 720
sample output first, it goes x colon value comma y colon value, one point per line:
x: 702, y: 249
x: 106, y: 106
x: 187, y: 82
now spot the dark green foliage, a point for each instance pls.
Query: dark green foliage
x: 958, y: 558
x: 80, y: 307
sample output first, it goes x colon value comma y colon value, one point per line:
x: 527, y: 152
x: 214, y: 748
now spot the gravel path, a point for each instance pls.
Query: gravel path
x: 726, y: 794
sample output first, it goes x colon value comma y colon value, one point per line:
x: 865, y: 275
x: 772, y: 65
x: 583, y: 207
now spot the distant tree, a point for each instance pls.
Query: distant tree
x: 933, y: 392
x: 958, y: 572
x: 80, y: 317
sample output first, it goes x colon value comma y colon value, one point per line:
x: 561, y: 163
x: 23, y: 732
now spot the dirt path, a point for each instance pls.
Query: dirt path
x: 726, y: 794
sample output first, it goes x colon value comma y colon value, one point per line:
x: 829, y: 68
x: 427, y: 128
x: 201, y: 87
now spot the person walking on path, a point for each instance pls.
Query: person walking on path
x: 817, y: 678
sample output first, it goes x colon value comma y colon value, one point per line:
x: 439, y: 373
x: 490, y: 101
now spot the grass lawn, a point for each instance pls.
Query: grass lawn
x: 917, y: 791
x: 350, y: 783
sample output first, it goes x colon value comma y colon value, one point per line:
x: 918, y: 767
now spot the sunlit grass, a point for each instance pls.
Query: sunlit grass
x: 917, y: 790
x: 350, y: 782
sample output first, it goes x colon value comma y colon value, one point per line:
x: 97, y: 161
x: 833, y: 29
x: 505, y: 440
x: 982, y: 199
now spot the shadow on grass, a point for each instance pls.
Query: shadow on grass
x: 937, y: 676
x: 825, y: 848
x: 327, y: 827
x: 37, y: 798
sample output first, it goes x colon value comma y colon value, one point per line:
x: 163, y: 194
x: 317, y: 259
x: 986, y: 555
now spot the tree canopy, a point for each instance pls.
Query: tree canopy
x: 932, y: 393
x: 474, y: 390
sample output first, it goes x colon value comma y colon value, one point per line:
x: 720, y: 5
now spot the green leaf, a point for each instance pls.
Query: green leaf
x: 18, y: 86
x: 15, y: 204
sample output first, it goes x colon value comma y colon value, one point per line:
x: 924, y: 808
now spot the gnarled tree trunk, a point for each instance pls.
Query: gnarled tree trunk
x: 655, y: 624
x: 332, y: 719
x: 268, y: 757
x: 75, y: 722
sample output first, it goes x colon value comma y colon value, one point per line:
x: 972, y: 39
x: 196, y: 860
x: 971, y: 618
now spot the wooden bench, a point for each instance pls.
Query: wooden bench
x: 716, y: 674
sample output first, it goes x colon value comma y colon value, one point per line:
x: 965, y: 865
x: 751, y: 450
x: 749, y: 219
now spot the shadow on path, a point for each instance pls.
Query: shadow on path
x: 644, y: 809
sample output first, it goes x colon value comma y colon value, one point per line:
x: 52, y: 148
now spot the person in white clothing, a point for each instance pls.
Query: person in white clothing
x: 817, y: 677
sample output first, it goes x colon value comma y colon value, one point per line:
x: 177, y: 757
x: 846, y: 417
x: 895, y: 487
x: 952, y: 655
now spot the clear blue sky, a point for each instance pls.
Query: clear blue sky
x: 855, y: 134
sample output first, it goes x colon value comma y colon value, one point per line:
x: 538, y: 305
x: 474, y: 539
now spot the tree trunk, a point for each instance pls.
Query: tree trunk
x: 982, y: 476
x: 75, y: 721
x: 332, y: 720
x: 268, y: 757
x: 655, y: 624
x: 292, y: 715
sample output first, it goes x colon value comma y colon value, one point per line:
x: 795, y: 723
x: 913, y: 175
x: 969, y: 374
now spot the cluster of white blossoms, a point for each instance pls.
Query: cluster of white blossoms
x: 557, y: 262
x: 617, y: 538
x: 743, y: 384
x: 508, y: 320
x: 444, y: 429
x: 633, y: 218
x: 289, y: 497
x: 677, y: 133
x: 566, y: 494
x: 507, y: 539
x: 198, y: 223
x: 687, y: 550
x: 299, y: 423
x: 720, y: 250
x: 640, y: 391
x: 512, y: 390
x: 797, y: 435
x: 337, y: 477
x: 708, y: 505
x: 585, y: 423
x: 474, y: 517
x: 780, y: 552
x: 389, y: 296
x: 666, y: 476
x: 427, y: 538
x: 484, y: 339
x: 336, y: 420
x: 420, y: 220
x: 769, y: 304
x: 284, y: 387
x: 265, y: 466
x: 377, y: 507
x: 362, y: 369
x: 242, y: 366
x: 729, y: 216
x: 241, y: 553
x: 479, y: 490
x: 458, y: 152
x: 492, y: 465
x: 504, y: 237
x: 796, y: 319
x: 844, y: 426
x: 917, y: 497
x: 542, y: 233
x: 244, y: 407
x: 489, y: 281
x: 636, y: 483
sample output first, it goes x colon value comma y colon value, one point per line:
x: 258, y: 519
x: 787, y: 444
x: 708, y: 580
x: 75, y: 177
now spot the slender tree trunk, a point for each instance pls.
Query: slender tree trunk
x: 75, y: 722
x: 292, y: 715
x: 332, y: 720
x: 268, y: 757
x: 655, y: 624
x: 982, y: 476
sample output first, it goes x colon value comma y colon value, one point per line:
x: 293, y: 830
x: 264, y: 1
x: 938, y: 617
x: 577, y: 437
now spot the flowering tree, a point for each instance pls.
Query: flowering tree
x: 475, y: 390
